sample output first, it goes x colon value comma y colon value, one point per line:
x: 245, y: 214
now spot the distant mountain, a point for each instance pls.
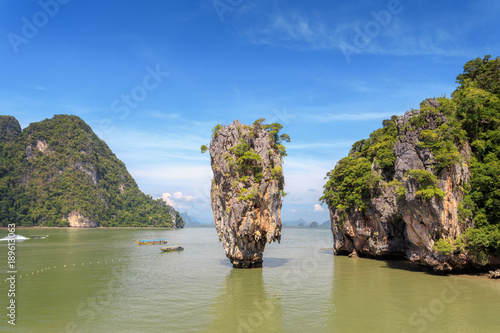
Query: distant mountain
x: 193, y: 222
x: 298, y: 222
x: 57, y: 172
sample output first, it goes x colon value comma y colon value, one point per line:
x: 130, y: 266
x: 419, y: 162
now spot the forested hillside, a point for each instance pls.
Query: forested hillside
x: 57, y: 172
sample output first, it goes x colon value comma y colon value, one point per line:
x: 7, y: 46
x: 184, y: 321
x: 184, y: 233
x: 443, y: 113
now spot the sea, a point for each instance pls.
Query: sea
x: 101, y: 280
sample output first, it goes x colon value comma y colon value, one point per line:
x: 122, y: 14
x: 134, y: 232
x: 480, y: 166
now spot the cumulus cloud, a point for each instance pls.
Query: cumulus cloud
x: 178, y: 200
x: 318, y: 208
x: 180, y: 196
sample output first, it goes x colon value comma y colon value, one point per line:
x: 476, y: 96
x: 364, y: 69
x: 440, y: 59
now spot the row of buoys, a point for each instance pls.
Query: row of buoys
x: 83, y: 264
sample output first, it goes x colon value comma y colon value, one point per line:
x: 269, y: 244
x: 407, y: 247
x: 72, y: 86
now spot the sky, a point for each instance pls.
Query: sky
x: 152, y: 78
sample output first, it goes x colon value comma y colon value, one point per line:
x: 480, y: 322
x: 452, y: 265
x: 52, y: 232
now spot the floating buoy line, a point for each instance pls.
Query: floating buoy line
x: 20, y: 275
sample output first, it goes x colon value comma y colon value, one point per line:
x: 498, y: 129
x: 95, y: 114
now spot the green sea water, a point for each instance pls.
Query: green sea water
x: 100, y: 280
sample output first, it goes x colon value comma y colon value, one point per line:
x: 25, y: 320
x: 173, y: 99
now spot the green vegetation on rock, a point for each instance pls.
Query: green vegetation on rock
x: 445, y: 126
x: 443, y: 247
x: 427, y: 182
x: 58, y: 167
x: 246, y: 162
x: 351, y: 183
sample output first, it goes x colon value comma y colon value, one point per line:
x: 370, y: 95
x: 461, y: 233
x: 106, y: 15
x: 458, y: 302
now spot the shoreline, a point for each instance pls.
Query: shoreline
x: 39, y: 227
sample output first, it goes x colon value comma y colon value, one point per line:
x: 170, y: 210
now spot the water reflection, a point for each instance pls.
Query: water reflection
x: 269, y: 262
x: 244, y: 305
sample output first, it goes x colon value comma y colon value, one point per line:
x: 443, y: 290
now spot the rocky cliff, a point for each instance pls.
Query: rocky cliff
x: 400, y: 220
x: 246, y: 190
x: 57, y: 172
x: 425, y: 186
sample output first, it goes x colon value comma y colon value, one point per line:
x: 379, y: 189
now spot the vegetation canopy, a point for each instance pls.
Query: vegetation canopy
x: 471, y: 115
x: 59, y: 167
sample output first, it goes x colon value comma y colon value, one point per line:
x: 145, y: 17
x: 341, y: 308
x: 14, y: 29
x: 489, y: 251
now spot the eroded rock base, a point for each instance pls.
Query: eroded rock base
x: 247, y: 264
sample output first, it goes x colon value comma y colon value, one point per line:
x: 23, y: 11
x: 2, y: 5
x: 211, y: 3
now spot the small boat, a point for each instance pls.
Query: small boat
x: 151, y: 241
x: 172, y: 248
x: 39, y: 236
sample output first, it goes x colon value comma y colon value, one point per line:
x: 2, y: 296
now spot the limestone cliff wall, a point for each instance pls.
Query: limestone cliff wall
x: 409, y: 225
x: 245, y: 196
x: 75, y: 219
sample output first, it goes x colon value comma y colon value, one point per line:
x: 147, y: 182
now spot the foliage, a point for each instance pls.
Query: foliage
x: 203, y: 149
x: 59, y: 166
x: 483, y: 73
x: 478, y: 99
x: 400, y: 189
x: 350, y: 184
x: 277, y: 139
x: 216, y: 129
x: 444, y: 247
x: 276, y: 172
x: 428, y: 184
x: 483, y: 241
x: 245, y: 194
x: 379, y: 146
x: 248, y: 162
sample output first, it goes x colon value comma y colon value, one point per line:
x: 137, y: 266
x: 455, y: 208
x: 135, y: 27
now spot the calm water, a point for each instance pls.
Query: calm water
x: 100, y: 280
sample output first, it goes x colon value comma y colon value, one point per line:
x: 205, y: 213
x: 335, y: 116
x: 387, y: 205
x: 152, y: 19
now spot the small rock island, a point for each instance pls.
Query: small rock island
x: 247, y: 188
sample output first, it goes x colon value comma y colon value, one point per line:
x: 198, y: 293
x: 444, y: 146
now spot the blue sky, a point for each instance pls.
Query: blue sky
x: 152, y: 78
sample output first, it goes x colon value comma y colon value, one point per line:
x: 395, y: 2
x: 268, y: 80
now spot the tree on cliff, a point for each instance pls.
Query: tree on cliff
x: 470, y: 117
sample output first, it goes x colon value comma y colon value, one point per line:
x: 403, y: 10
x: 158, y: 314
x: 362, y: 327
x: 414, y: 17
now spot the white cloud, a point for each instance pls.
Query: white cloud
x: 180, y: 196
x: 326, y: 31
x: 296, y: 31
x: 318, y: 208
x: 178, y: 200
x: 167, y: 197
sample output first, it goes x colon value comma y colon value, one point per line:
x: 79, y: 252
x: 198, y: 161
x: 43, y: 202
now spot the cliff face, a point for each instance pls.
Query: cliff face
x: 400, y: 220
x: 425, y: 185
x: 57, y: 172
x: 246, y: 191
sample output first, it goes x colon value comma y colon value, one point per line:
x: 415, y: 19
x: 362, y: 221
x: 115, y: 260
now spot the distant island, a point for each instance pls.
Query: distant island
x: 426, y: 186
x: 58, y: 173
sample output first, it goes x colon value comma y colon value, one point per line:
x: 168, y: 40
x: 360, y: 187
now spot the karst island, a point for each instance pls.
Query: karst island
x: 247, y: 188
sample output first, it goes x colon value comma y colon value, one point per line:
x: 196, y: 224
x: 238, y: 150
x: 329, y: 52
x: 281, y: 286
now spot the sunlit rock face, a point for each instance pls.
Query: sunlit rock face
x: 246, y: 191
x: 408, y: 226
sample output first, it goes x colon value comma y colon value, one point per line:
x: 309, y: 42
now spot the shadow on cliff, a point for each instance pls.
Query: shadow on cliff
x: 269, y: 262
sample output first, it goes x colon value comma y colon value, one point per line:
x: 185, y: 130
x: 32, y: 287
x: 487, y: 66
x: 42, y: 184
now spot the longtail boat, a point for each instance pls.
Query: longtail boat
x: 151, y: 241
x: 171, y: 248
x: 39, y: 236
